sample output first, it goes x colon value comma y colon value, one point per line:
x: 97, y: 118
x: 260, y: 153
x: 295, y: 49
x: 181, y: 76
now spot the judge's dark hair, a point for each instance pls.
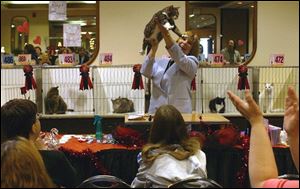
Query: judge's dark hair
x: 17, y: 118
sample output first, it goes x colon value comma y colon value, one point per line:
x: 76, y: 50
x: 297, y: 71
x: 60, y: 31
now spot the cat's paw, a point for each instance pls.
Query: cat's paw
x: 169, y: 27
x: 142, y: 52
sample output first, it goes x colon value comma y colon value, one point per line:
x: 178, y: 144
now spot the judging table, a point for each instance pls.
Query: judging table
x: 224, y: 164
x: 194, y: 118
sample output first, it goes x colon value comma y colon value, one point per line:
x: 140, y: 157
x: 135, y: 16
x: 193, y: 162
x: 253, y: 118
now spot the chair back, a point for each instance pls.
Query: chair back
x: 103, y: 181
x: 195, y: 183
x: 289, y: 177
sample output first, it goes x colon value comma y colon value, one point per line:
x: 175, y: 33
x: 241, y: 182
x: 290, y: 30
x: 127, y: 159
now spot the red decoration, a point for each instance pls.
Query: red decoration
x: 87, y: 154
x: 29, y: 80
x: 243, y: 174
x: 137, y: 80
x: 227, y: 136
x: 37, y: 40
x: 243, y: 81
x: 193, y: 84
x: 85, y: 82
x: 23, y: 90
x: 23, y: 28
x: 128, y: 137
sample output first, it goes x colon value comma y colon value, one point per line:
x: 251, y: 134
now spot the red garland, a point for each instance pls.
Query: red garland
x: 85, y: 82
x: 128, y: 137
x: 243, y: 173
x: 29, y: 80
x: 193, y: 84
x: 87, y: 154
x: 243, y: 81
x: 137, y: 80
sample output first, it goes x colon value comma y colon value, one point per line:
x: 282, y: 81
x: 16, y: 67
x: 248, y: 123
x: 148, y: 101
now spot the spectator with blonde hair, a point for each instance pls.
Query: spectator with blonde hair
x: 22, y: 166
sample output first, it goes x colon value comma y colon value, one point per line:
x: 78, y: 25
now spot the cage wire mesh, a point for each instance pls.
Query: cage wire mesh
x: 11, y: 82
x: 273, y: 87
x: 68, y: 81
x: 215, y: 82
x: 115, y: 81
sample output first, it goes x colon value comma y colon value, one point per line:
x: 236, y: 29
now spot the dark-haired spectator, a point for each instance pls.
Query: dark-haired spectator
x: 19, y: 118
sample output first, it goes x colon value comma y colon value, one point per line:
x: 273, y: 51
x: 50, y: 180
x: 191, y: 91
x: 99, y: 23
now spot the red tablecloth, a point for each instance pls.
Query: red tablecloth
x: 78, y: 147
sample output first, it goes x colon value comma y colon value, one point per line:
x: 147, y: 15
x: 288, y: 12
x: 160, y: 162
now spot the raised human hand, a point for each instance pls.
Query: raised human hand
x: 291, y: 114
x: 248, y: 108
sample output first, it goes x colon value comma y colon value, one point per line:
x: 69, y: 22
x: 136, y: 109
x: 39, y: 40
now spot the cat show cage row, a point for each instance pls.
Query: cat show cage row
x: 111, y: 82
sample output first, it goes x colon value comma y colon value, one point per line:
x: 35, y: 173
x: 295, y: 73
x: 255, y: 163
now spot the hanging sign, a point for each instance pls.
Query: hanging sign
x: 57, y: 10
x: 72, y: 35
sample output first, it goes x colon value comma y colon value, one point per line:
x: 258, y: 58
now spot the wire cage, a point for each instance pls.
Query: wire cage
x: 11, y: 82
x: 111, y: 82
x: 273, y: 85
x: 215, y: 82
x: 114, y: 82
x: 68, y: 81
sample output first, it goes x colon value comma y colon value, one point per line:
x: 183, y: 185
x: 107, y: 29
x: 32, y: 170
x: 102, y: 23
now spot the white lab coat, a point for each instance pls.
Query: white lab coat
x: 174, y: 86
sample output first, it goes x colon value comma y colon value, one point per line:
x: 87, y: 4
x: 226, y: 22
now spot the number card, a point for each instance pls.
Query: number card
x: 106, y: 58
x: 277, y: 59
x: 24, y: 59
x: 7, y: 59
x: 66, y: 59
x: 216, y: 59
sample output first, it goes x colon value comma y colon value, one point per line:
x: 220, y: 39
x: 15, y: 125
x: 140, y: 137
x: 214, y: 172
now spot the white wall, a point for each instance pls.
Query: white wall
x: 122, y: 26
x: 277, y: 32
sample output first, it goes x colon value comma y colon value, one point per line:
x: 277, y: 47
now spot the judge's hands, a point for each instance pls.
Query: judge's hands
x: 248, y: 108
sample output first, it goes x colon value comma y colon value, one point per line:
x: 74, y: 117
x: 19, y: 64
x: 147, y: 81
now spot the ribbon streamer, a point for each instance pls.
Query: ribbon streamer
x: 29, y: 80
x: 243, y: 81
x: 85, y: 82
x: 137, y: 80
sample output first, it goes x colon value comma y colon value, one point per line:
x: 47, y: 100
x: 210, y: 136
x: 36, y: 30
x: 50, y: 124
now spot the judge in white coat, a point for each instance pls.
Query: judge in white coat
x: 172, y: 77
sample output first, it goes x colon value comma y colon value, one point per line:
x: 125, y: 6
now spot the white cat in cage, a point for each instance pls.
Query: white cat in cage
x: 267, y: 99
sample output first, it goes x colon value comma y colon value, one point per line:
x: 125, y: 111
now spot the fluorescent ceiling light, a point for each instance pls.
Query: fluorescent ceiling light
x: 42, y: 2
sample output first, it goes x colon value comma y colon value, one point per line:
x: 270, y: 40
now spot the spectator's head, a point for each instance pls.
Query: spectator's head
x: 200, y: 49
x: 22, y: 165
x: 82, y: 52
x: 168, y: 126
x: 169, y: 131
x: 231, y: 45
x: 29, y: 49
x: 19, y: 118
x: 189, y: 44
x: 38, y: 50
